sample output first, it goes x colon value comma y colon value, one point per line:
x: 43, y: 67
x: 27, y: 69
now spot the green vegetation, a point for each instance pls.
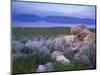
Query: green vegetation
x: 24, y: 65
x: 21, y: 33
x: 27, y: 63
x: 30, y: 62
x: 44, y: 31
x: 75, y: 65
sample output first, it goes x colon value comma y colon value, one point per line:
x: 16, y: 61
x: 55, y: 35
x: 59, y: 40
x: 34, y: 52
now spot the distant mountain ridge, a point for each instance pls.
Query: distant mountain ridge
x: 52, y: 19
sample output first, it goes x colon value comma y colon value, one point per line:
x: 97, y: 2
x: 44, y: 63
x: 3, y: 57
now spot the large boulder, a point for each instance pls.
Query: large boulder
x: 84, y: 34
x: 59, y: 57
x: 54, y: 54
x: 77, y: 29
x: 62, y: 59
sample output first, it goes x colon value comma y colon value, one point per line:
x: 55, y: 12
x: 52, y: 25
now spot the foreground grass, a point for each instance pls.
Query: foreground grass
x: 27, y: 64
x: 24, y: 65
x: 75, y: 65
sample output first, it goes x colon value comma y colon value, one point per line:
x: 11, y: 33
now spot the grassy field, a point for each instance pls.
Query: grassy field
x: 31, y: 32
x: 31, y: 61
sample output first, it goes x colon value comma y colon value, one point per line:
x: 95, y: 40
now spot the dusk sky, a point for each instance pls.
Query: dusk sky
x: 30, y: 14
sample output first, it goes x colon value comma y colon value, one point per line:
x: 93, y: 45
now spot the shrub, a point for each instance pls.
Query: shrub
x: 86, y: 55
x: 16, y: 46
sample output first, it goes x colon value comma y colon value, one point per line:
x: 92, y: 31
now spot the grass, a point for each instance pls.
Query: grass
x: 30, y: 63
x: 27, y: 64
x: 24, y: 65
x: 75, y: 65
x: 44, y: 31
x: 20, y: 33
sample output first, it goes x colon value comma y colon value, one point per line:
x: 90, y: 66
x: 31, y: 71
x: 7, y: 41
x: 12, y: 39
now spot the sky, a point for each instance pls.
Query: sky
x: 31, y: 14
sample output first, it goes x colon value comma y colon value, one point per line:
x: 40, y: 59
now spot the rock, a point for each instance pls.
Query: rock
x: 89, y: 39
x: 77, y: 29
x: 41, y: 68
x: 84, y: 34
x: 54, y: 54
x: 59, y: 57
x: 63, y: 60
x: 45, y: 68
